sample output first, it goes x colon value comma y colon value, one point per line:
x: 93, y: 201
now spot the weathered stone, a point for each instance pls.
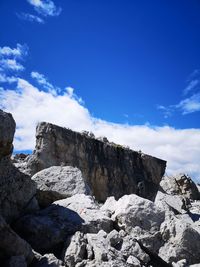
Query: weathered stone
x: 16, y: 261
x: 47, y: 230
x: 59, y: 182
x: 7, y: 130
x: 180, y: 184
x: 17, y: 192
x: 12, y: 245
x: 110, y: 169
x: 93, y: 218
x: 76, y: 251
x: 133, y: 261
x: 182, y: 241
x: 140, y: 218
x: 47, y: 260
x: 174, y: 203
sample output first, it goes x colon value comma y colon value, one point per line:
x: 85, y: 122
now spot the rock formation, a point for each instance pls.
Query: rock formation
x: 72, y: 228
x: 7, y: 124
x: 110, y: 170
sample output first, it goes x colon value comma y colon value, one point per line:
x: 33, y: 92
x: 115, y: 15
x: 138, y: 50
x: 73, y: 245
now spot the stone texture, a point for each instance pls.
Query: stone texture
x: 47, y: 260
x: 110, y: 169
x: 140, y: 218
x: 102, y: 249
x: 17, y: 192
x: 93, y: 218
x: 12, y: 245
x: 48, y: 229
x: 59, y: 182
x: 7, y: 130
x: 16, y: 261
x: 180, y: 184
x: 182, y: 241
x: 76, y: 251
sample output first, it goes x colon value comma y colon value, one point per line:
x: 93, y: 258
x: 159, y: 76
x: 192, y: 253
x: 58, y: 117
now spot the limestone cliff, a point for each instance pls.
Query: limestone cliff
x: 109, y: 169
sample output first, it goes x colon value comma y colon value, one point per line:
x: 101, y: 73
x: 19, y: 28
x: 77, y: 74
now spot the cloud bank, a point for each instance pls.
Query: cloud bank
x: 30, y: 105
x: 43, y: 101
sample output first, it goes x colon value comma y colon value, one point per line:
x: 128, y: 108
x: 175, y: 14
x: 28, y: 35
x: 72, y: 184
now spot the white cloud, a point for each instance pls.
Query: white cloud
x: 11, y: 64
x: 18, y: 52
x: 29, y: 105
x: 7, y: 79
x: 42, y: 80
x: 45, y: 7
x: 191, y: 86
x: 190, y: 105
x: 30, y: 17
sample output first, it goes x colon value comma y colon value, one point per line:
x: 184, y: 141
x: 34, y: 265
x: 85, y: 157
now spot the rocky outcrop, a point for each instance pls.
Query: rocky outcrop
x: 7, y: 130
x: 180, y: 184
x: 17, y: 191
x: 12, y: 245
x: 47, y: 229
x: 109, y: 169
x: 57, y: 182
x: 77, y: 230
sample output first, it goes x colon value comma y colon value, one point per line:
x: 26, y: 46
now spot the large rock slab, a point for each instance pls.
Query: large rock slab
x: 17, y: 192
x: 182, y: 241
x: 7, y: 130
x: 89, y: 210
x: 48, y: 229
x: 59, y: 182
x: 180, y: 184
x: 12, y: 245
x: 110, y: 169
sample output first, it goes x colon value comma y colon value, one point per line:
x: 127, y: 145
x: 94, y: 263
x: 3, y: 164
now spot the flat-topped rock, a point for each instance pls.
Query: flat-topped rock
x: 109, y: 169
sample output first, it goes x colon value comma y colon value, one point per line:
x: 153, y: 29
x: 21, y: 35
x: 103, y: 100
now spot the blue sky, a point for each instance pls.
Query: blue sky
x: 126, y: 69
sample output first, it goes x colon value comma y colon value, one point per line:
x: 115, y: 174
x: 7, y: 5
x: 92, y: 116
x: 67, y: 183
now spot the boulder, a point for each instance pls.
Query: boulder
x: 16, y: 261
x: 110, y: 169
x: 102, y: 249
x: 7, y: 130
x: 76, y: 251
x: 13, y: 245
x: 182, y: 241
x: 180, y: 184
x: 59, y: 182
x: 48, y: 229
x: 17, y: 192
x: 140, y: 218
x: 93, y: 218
x: 47, y: 260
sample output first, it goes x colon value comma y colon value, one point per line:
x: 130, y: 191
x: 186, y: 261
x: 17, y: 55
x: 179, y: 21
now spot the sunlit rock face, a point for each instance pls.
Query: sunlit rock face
x: 110, y: 169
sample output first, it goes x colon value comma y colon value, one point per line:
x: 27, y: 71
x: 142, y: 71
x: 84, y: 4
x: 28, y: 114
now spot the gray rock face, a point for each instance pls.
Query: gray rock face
x: 12, y: 245
x: 180, y: 184
x: 47, y: 260
x: 182, y: 241
x: 17, y: 192
x: 48, y: 229
x: 7, y: 130
x: 110, y: 169
x: 59, y: 182
x: 93, y: 218
x: 140, y: 218
x: 100, y: 250
x: 16, y: 261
